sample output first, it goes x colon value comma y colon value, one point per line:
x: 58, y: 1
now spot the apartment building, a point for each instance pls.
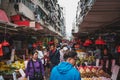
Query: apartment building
x: 44, y: 15
x: 84, y: 6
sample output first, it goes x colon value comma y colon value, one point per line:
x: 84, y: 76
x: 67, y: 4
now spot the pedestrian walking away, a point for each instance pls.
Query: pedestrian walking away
x: 66, y: 70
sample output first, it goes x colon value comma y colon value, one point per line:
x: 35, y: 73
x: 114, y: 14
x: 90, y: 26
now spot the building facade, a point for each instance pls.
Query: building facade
x: 84, y: 6
x: 46, y: 13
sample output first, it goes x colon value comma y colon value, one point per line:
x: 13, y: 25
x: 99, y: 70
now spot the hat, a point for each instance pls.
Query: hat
x: 65, y: 48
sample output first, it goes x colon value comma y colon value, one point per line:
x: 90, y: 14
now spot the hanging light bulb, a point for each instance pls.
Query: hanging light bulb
x: 34, y: 45
x: 100, y: 41
x: 84, y: 44
x: 5, y: 43
x: 87, y: 42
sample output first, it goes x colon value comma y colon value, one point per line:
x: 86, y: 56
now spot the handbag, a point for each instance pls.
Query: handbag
x: 37, y: 75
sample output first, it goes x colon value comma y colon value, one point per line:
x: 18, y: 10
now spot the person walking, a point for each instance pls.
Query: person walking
x: 66, y: 70
x: 97, y: 55
x: 40, y: 54
x: 35, y: 69
x: 54, y: 56
x: 62, y: 51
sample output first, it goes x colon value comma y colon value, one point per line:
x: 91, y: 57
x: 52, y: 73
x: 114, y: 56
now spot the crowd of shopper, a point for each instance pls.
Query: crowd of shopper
x: 59, y: 63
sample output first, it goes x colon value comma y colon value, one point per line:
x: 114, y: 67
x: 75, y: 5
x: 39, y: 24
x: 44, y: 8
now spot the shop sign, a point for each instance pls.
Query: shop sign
x: 38, y: 26
x: 22, y: 23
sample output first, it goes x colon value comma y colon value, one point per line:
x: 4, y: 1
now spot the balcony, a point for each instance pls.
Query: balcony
x: 24, y: 10
x: 39, y: 3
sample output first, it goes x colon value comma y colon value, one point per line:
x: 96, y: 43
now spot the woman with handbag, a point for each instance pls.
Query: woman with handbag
x: 35, y: 69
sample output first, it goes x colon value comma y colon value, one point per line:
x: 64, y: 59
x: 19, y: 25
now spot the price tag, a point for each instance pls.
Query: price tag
x: 22, y: 72
x: 1, y: 77
x: 14, y: 76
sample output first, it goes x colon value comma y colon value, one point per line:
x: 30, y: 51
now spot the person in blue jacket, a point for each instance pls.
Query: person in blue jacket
x: 66, y: 70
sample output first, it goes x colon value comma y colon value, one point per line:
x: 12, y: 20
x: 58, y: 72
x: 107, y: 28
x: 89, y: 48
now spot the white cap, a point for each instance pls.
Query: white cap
x: 65, y: 48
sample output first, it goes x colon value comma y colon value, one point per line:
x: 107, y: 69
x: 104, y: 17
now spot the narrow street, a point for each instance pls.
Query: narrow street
x: 60, y: 39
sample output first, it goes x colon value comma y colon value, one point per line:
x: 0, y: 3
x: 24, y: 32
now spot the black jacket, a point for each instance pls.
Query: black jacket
x: 54, y: 57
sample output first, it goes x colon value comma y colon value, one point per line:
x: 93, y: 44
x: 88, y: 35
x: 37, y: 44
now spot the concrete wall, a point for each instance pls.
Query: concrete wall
x: 10, y: 10
x: 26, y: 11
x: 8, y: 7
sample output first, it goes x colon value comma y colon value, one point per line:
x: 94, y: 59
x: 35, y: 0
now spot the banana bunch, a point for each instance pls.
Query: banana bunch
x: 2, y: 63
x: 88, y: 59
x: 91, y: 59
x: 4, y: 67
x: 18, y: 65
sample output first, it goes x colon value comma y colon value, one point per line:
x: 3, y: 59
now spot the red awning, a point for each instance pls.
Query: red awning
x: 3, y: 16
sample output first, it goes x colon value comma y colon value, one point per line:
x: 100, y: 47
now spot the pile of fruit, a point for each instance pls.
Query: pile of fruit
x: 92, y: 71
x: 85, y: 57
x: 6, y: 69
x: 18, y: 65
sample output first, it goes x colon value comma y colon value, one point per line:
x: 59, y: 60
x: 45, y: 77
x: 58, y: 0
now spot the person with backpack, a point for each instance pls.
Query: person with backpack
x: 35, y: 69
